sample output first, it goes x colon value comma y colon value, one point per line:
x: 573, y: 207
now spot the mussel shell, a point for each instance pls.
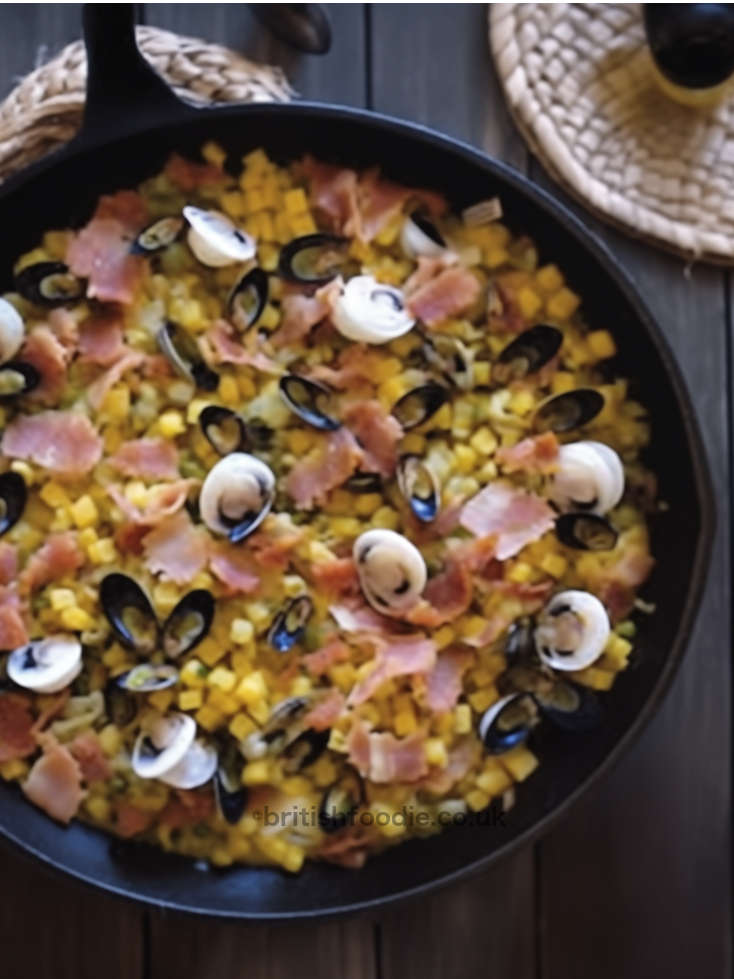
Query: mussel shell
x: 586, y: 532
x: 314, y: 259
x: 229, y: 792
x: 117, y: 594
x: 527, y: 353
x: 248, y: 299
x: 224, y: 429
x: 303, y: 396
x: 290, y: 623
x: 520, y: 641
x: 158, y: 235
x: 147, y: 677
x: 304, y: 750
x: 429, y: 229
x: 417, y: 406
x: 511, y: 726
x: 17, y: 378
x: 418, y: 485
x: 450, y: 357
x: 188, y: 623
x: 183, y: 354
x: 340, y: 801
x: 49, y: 284
x: 121, y: 706
x: 13, y: 497
x: 572, y: 409
x: 304, y: 26
x: 526, y: 676
x: 570, y: 707
x: 364, y: 482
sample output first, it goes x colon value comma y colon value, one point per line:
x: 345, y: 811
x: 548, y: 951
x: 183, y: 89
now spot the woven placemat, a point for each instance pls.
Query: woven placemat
x: 578, y: 79
x: 46, y: 107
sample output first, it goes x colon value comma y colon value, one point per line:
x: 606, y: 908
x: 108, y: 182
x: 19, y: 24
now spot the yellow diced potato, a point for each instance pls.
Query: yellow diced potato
x: 240, y: 726
x: 549, y: 278
x: 161, y: 699
x: 110, y: 739
x: 190, y: 699
x: 222, y: 678
x: 61, y: 598
x: 435, y: 751
x: 601, y: 343
x: 193, y: 674
x: 443, y: 636
x: 252, y: 689
x: 519, y: 762
x: 529, y: 302
x: 462, y: 719
x: 53, y: 495
x: 484, y: 441
x: 520, y: 572
x: 102, y: 551
x: 210, y: 651
x: 241, y: 632
x: 477, y: 800
x: 494, y: 781
x: 465, y: 458
x: 554, y: 564
x: 295, y: 201
x: 208, y: 717
x: 482, y: 699
x: 562, y: 304
x: 171, y: 423
x: 256, y: 772
x: 76, y: 619
x: 84, y: 512
x: 405, y: 722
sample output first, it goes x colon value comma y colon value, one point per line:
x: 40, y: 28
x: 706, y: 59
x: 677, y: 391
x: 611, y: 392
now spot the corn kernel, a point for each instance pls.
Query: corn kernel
x: 482, y: 699
x: 519, y: 762
x: 53, y: 495
x: 300, y: 686
x: 521, y: 402
x: 494, y: 256
x: 493, y: 781
x: 554, y: 564
x: 222, y: 678
x: 76, y: 619
x: 225, y: 703
x: 171, y: 423
x: 270, y: 317
x: 228, y: 390
x: 210, y: 651
x: 252, y: 689
x: 601, y: 343
x: 304, y: 224
x: 549, y: 278
x: 213, y: 153
x: 481, y: 370
x: 435, y: 750
x: 594, y: 677
x: 299, y: 441
x: 295, y: 201
x: 233, y: 204
x: 256, y: 772
x: 462, y: 719
x: 384, y: 517
x: 258, y: 613
x: 617, y: 651
x: 520, y: 572
x: 61, y: 598
x: 190, y: 699
x: 195, y: 408
x: 102, y: 551
x: 207, y: 717
x: 529, y: 302
x: 161, y: 699
x: 240, y: 726
x: 193, y: 674
x: 84, y: 512
x: 114, y: 656
x: 443, y: 636
x: 562, y: 304
x: 471, y: 626
x: 110, y: 739
x: 405, y: 722
x: 477, y: 800
x: 241, y: 632
x: 366, y: 504
x: 484, y: 441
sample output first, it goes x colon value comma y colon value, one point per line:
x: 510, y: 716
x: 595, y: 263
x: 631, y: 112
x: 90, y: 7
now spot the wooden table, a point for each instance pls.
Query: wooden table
x: 635, y: 883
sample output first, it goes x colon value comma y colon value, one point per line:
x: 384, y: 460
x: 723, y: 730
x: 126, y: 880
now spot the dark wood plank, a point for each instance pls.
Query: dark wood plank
x: 31, y: 34
x: 49, y: 925
x: 637, y: 880
x: 338, y: 76
x: 182, y: 946
x: 431, y: 64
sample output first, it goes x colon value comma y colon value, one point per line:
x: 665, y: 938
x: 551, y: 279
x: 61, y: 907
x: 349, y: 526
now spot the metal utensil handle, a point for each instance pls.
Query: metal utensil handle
x: 123, y: 91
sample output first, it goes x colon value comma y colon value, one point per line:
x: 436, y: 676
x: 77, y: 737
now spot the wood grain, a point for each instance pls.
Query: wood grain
x: 430, y: 64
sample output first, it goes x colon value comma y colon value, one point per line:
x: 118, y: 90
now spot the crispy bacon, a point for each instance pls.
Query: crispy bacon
x: 450, y: 293
x: 147, y: 458
x: 44, y: 351
x: 536, y: 454
x: 381, y: 757
x: 176, y: 549
x: 87, y: 751
x: 221, y: 345
x: 54, y: 781
x: 446, y: 596
x: 8, y: 563
x: 64, y: 442
x: 65, y: 328
x: 100, y: 252
x: 131, y: 820
x: 395, y: 657
x: 13, y: 631
x: 377, y: 432
x: 355, y: 616
x: 101, y: 338
x: 235, y: 568
x: 516, y: 517
x: 337, y: 577
x: 97, y: 390
x: 59, y: 556
x: 324, y: 468
x: 333, y: 193
x: 162, y: 501
x: 320, y: 661
x: 16, y: 727
x: 462, y: 756
x: 187, y: 808
x: 443, y: 682
x: 354, y: 365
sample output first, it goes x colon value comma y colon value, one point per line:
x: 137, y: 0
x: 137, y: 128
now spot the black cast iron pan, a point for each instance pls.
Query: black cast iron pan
x: 132, y: 123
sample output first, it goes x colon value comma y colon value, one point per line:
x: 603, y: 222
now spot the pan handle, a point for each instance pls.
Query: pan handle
x: 124, y: 93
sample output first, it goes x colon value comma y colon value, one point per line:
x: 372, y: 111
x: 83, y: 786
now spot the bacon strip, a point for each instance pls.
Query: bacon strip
x: 59, y: 556
x: 536, y: 454
x: 101, y: 339
x: 320, y: 661
x: 377, y: 432
x: 65, y: 442
x: 326, y: 711
x: 147, y: 458
x: 381, y: 757
x: 516, y: 517
x: 8, y: 563
x: 396, y: 657
x: 176, y: 549
x: 188, y: 175
x: 162, y: 501
x: 87, y: 751
x: 97, y: 390
x: 44, y: 351
x: 54, y: 781
x: 234, y: 566
x: 450, y: 293
x: 16, y: 727
x: 443, y: 682
x: 220, y: 345
x: 324, y: 468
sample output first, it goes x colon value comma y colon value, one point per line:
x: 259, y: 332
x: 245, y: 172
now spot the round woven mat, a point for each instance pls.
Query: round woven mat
x: 578, y: 80
x: 46, y: 107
